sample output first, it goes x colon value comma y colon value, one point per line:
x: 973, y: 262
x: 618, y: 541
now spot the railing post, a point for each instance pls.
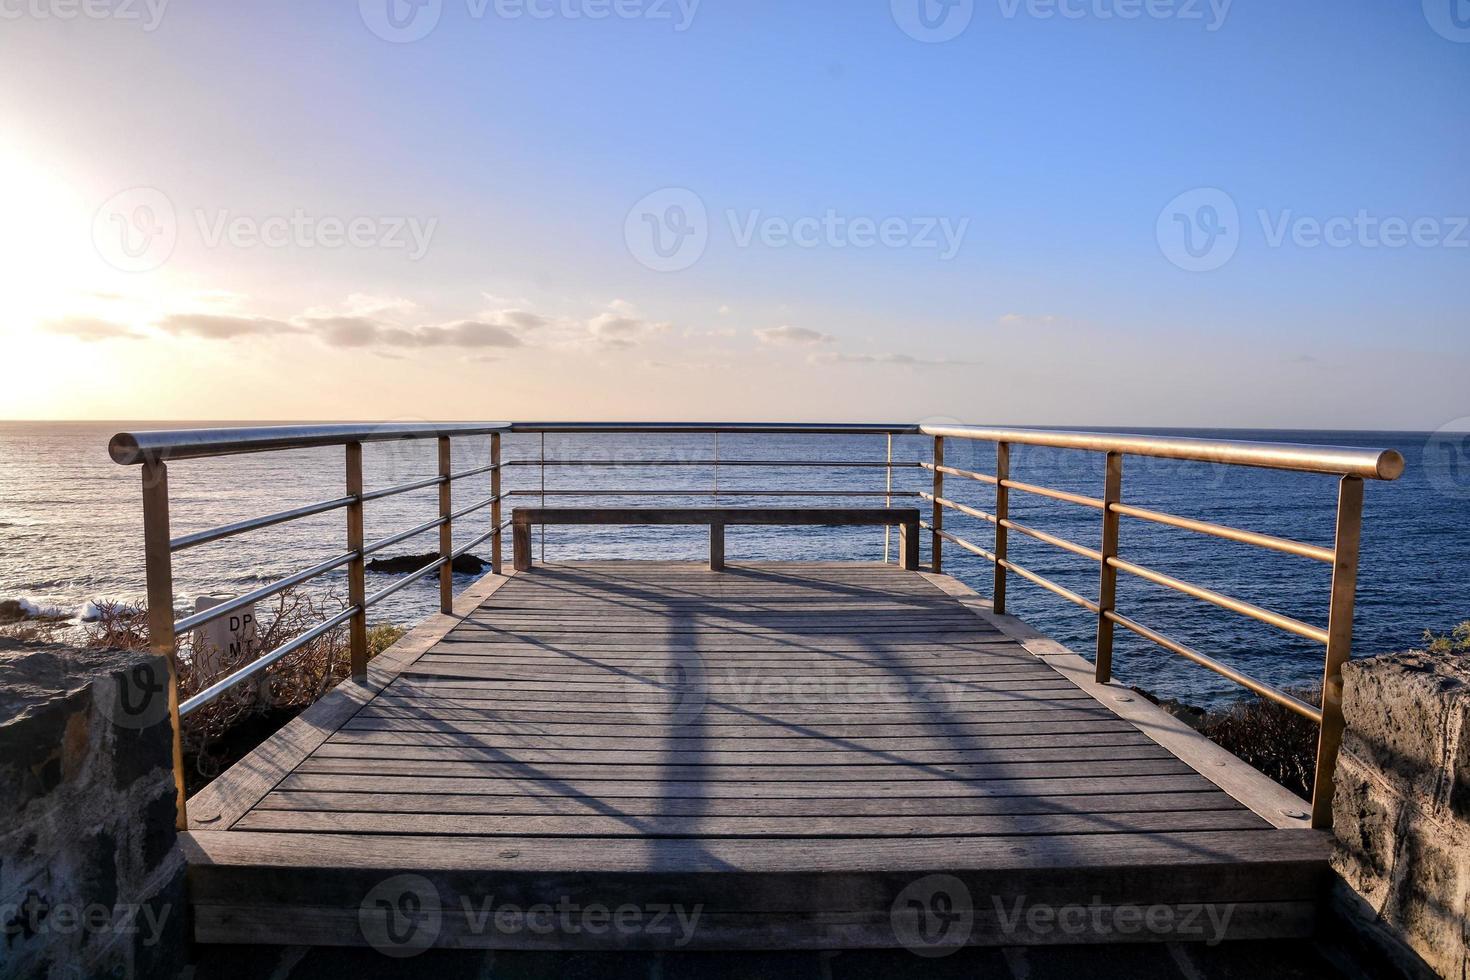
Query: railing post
x: 936, y: 514
x: 1108, y: 576
x: 495, y: 536
x: 1339, y: 643
x: 888, y: 500
x: 159, y: 570
x: 717, y: 547
x: 356, y: 573
x: 1002, y: 513
x: 446, y: 530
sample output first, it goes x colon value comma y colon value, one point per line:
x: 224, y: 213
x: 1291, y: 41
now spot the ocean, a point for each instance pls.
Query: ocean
x: 71, y: 529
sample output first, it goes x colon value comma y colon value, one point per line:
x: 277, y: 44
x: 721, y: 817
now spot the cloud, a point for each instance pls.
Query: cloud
x: 785, y: 336
x: 358, y: 331
x: 90, y: 329
x: 211, y: 326
x: 1014, y: 319
x: 902, y: 360
x: 621, y: 327
x: 522, y: 319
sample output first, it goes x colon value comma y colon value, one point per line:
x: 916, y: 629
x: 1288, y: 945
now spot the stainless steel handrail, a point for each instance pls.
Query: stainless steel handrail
x: 1370, y: 464
x: 130, y: 448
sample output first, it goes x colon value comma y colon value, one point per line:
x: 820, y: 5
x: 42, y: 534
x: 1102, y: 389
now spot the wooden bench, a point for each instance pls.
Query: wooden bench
x: 905, y: 518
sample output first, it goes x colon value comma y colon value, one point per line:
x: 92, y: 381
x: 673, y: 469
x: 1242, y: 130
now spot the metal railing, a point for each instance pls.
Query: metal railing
x: 153, y: 450
x: 1351, y: 466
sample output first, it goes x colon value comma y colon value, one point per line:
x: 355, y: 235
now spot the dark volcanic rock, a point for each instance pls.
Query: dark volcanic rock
x: 403, y: 564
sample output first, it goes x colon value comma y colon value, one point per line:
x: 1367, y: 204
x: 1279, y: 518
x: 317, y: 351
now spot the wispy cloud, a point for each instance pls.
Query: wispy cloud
x: 901, y: 360
x: 90, y: 329
x: 787, y: 336
x: 214, y: 326
x: 359, y: 331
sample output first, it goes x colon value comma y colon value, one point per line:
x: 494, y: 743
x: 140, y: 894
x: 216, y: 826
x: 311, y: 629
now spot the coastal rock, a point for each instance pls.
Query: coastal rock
x: 403, y: 564
x: 93, y: 880
x: 1401, y: 810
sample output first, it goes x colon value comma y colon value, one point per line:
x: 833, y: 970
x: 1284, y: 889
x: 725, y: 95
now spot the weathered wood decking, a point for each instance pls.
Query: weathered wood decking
x: 793, y: 750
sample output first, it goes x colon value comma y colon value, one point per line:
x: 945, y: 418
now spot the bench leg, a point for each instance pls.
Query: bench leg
x: 717, y: 547
x: 521, y: 546
x: 908, y: 545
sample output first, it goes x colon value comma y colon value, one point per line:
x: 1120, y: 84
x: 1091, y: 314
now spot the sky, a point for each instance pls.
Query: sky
x: 1048, y: 212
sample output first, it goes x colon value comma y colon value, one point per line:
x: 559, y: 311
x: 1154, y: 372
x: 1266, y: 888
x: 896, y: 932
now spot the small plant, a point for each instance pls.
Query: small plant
x: 1272, y: 738
x: 224, y: 729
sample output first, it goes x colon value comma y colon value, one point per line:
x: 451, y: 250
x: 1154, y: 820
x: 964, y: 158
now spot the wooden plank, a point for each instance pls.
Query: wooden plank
x: 651, y: 806
x: 558, y: 772
x: 574, y: 788
x: 709, y: 827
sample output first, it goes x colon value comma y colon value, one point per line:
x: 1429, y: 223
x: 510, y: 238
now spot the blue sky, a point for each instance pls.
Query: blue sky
x: 519, y: 145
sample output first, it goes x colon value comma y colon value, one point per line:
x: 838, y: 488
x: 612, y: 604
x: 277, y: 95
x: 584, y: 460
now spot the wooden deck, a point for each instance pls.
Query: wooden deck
x: 777, y: 755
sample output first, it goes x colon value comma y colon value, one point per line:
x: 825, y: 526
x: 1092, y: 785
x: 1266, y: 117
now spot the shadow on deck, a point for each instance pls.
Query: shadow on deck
x: 641, y: 755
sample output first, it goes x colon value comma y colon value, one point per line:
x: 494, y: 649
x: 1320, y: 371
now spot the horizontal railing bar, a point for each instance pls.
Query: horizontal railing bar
x: 261, y: 663
x: 1270, y: 541
x: 600, y: 463
x: 255, y: 524
x: 955, y: 505
x: 954, y: 471
x: 1372, y: 464
x: 488, y: 468
x: 968, y: 546
x: 1020, y: 570
x: 432, y: 481
x: 1249, y: 609
x: 464, y: 548
x: 1072, y: 498
x: 264, y: 592
x: 165, y: 444
x: 477, y: 505
x: 404, y: 582
x: 763, y: 428
x: 393, y: 539
x: 1244, y: 680
x: 722, y: 492
x: 1052, y: 539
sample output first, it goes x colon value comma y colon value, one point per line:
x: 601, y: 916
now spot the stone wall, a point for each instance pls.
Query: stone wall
x: 91, y: 878
x: 1401, y: 813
